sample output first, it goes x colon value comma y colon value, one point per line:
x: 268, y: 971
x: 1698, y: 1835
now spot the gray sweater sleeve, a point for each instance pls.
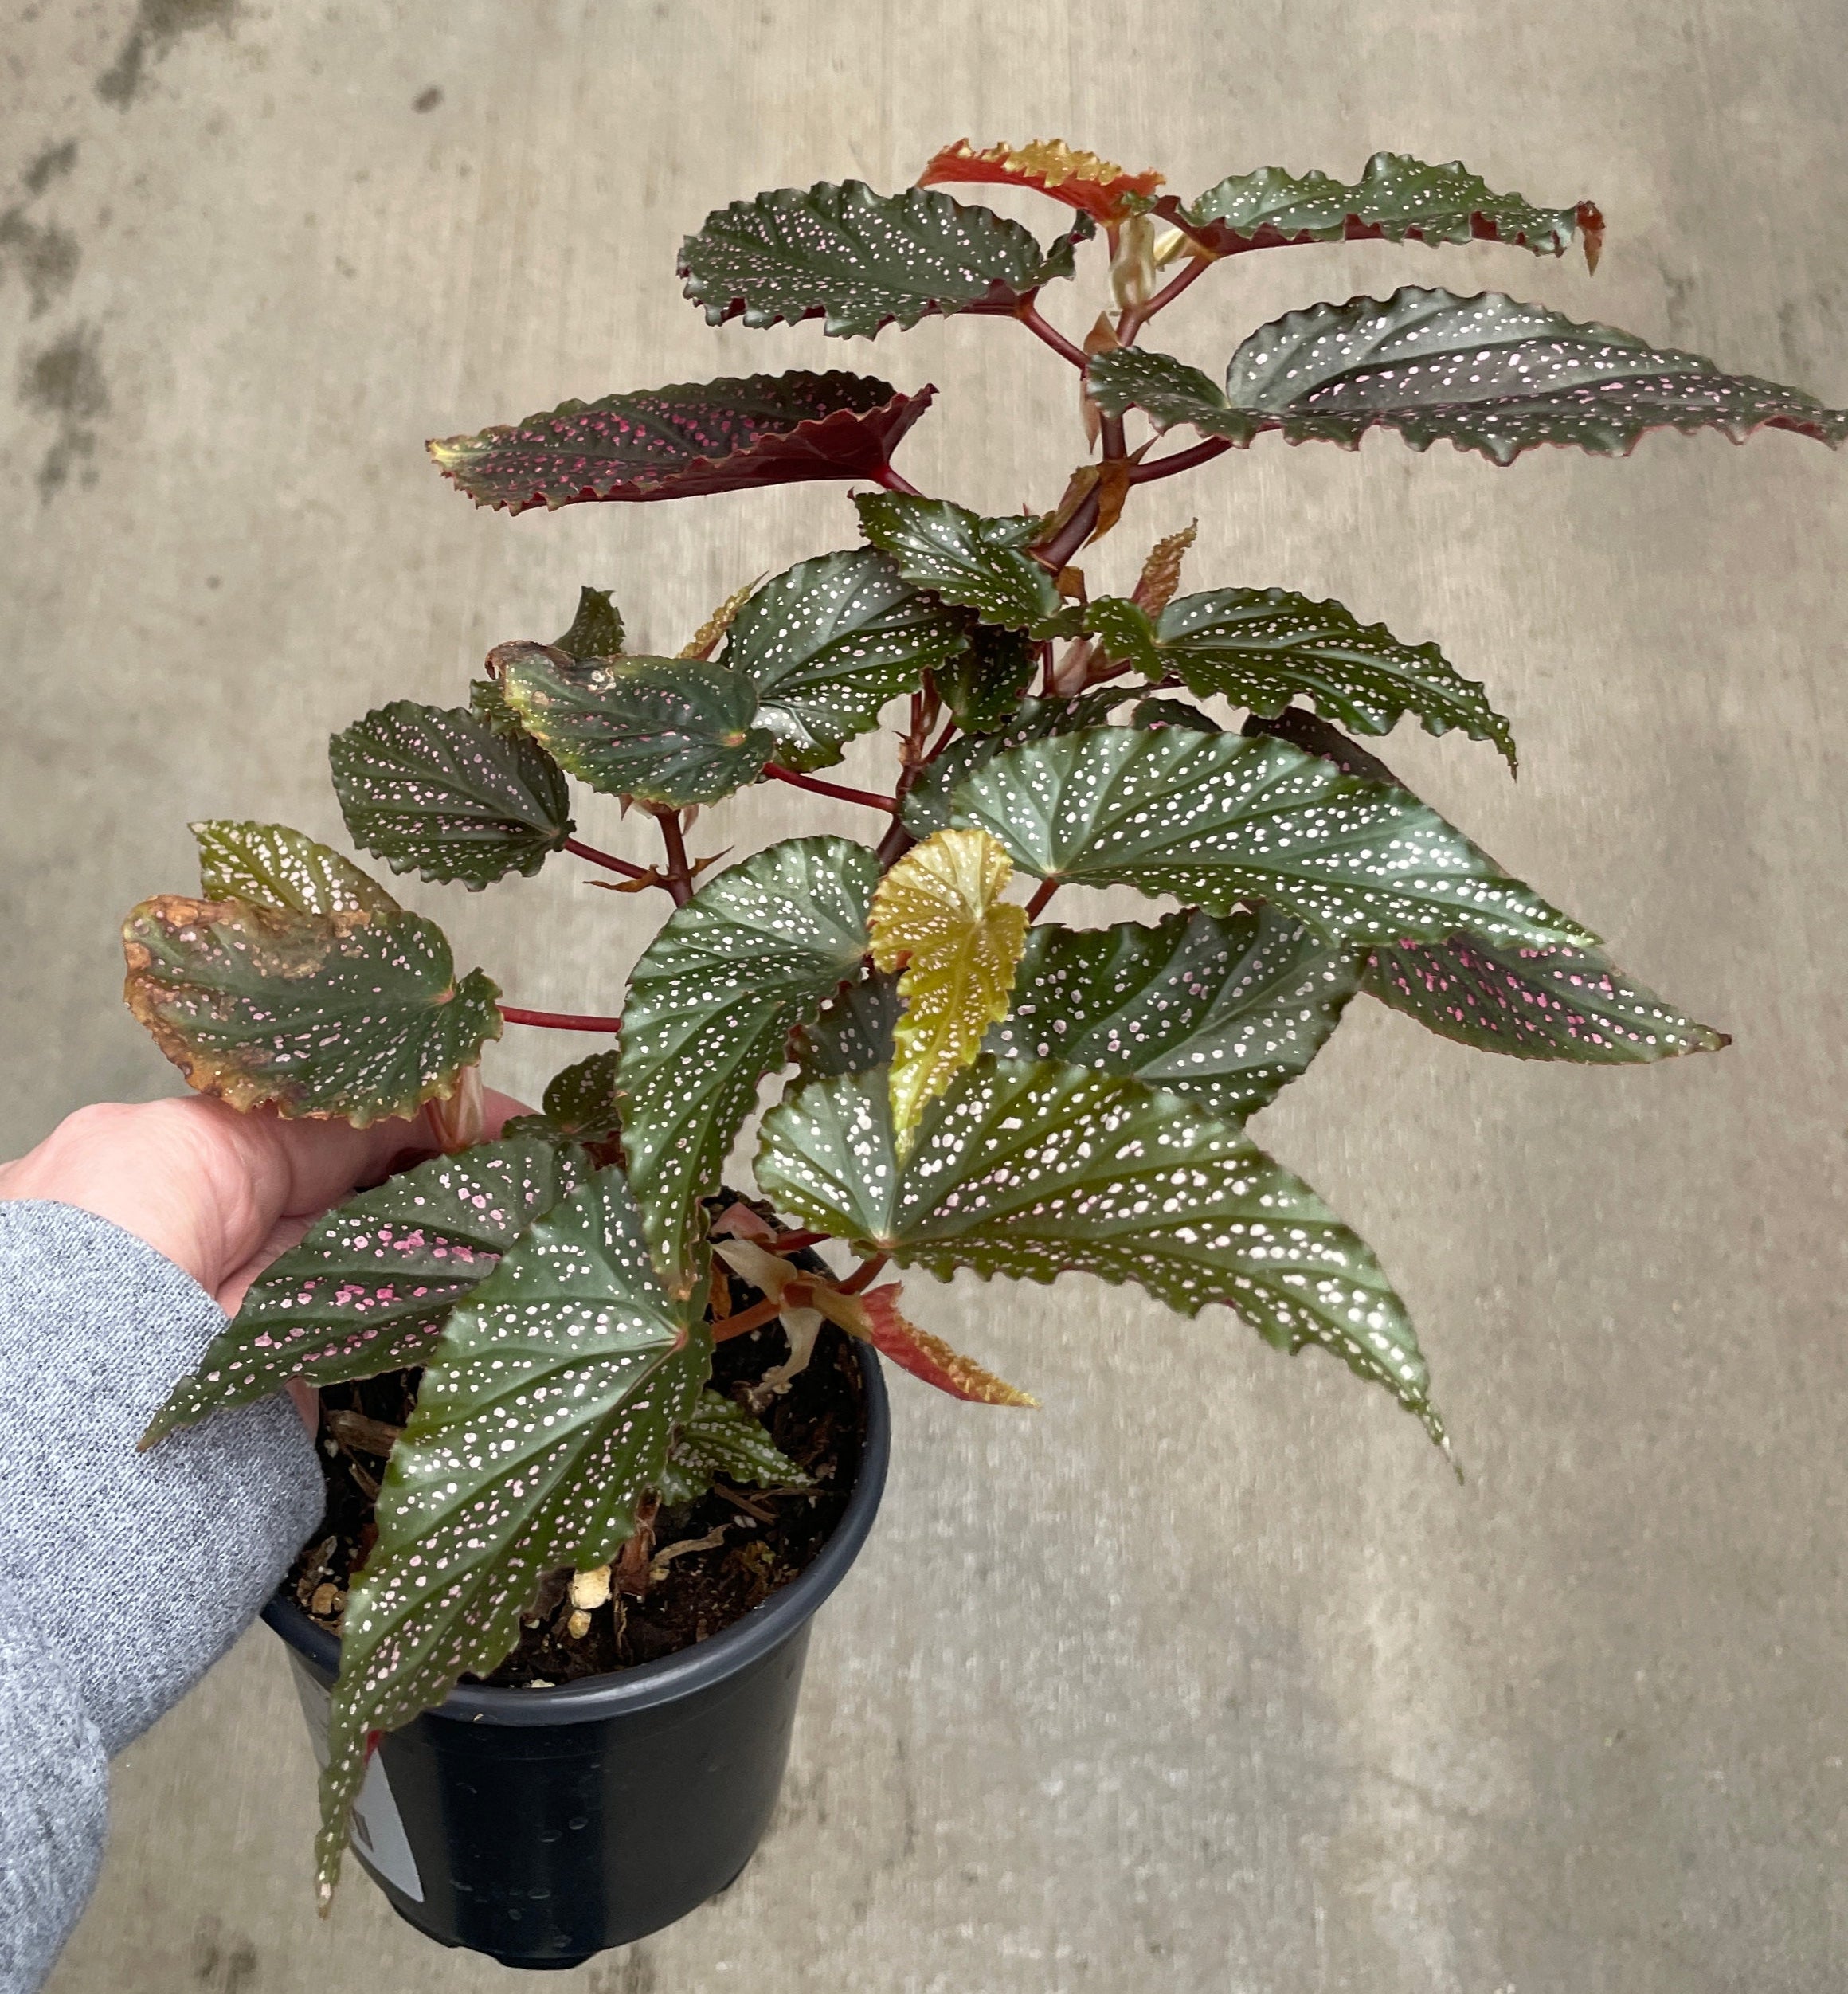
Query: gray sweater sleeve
x: 123, y: 1577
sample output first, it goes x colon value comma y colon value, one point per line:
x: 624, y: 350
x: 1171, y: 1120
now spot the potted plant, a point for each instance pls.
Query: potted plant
x: 566, y: 1373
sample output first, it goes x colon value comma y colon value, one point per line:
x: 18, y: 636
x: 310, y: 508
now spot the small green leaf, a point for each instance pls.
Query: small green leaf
x: 581, y: 1101
x: 1031, y: 1171
x: 861, y: 260
x: 1225, y: 1012
x: 853, y: 1030
x: 372, y: 1284
x: 719, y: 1437
x: 1396, y: 197
x: 670, y: 730
x: 828, y: 642
x: 962, y: 557
x: 679, y: 441
x: 544, y: 1415
x: 711, y: 1004
x: 1262, y: 648
x: 1216, y: 820
x: 1492, y: 375
x: 1555, y: 1004
x: 487, y: 703
x: 355, y: 1012
x: 596, y: 630
x: 436, y: 790
x: 1173, y: 713
x: 983, y: 686
x: 927, y: 808
x: 939, y: 915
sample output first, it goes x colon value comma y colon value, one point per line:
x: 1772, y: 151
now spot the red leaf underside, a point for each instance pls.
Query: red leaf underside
x: 1095, y: 186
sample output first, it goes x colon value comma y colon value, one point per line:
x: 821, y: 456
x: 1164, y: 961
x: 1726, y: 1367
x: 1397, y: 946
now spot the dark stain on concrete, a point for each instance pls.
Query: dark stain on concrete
x: 223, y: 1962
x: 428, y: 99
x: 43, y: 254
x: 52, y: 164
x: 158, y: 24
x: 65, y: 383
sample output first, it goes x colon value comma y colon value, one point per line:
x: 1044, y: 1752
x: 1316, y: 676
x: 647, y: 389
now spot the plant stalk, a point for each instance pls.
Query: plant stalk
x: 840, y: 791
x: 559, y: 1020
x: 680, y: 873
x: 579, y: 849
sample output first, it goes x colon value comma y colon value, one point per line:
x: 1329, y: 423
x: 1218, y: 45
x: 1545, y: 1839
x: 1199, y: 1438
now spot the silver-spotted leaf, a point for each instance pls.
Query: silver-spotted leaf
x: 436, y: 790
x: 670, y: 730
x: 859, y: 260
x: 1224, y: 1010
x: 712, y: 1005
x: 1216, y: 820
x: 1396, y: 197
x: 983, y: 686
x: 678, y: 442
x: 596, y: 630
x: 268, y: 865
x: 1033, y: 1170
x: 853, y: 1030
x: 829, y: 641
x: 962, y: 557
x: 719, y: 1437
x: 370, y: 1286
x: 1490, y: 375
x: 1536, y: 1004
x: 927, y: 807
x: 545, y: 1412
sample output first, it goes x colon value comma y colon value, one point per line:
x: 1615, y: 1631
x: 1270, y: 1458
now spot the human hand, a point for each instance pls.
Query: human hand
x: 220, y: 1194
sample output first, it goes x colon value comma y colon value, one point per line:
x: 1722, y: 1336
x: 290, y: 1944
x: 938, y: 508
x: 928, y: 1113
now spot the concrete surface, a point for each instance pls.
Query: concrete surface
x: 1207, y: 1676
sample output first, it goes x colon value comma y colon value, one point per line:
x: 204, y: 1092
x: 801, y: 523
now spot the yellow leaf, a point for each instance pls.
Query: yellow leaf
x: 939, y: 913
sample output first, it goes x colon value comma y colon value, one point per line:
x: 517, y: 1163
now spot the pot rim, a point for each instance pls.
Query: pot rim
x: 708, y: 1663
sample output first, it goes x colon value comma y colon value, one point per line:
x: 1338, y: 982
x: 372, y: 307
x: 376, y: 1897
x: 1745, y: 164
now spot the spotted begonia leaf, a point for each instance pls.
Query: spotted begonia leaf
x: 711, y: 1004
x: 325, y: 1000
x: 939, y: 918
x: 927, y: 807
x: 581, y: 1100
x: 1397, y: 198
x: 853, y: 1028
x: 370, y: 1287
x: 1225, y: 1012
x: 1032, y: 1170
x: 1173, y: 713
x: 828, y: 642
x: 962, y: 557
x: 983, y: 686
x: 1492, y: 375
x: 596, y: 630
x: 719, y: 1437
x: 1552, y: 1003
x: 1106, y: 192
x: 1215, y: 819
x: 1262, y: 648
x: 859, y: 260
x: 434, y: 790
x: 670, y: 730
x: 679, y: 441
x: 546, y: 1411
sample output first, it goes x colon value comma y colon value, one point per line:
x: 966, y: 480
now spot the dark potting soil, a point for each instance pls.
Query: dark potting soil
x: 760, y: 1538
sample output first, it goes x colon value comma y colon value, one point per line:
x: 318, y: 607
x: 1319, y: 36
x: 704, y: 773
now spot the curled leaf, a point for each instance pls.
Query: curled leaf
x: 1106, y: 192
x: 929, y: 1357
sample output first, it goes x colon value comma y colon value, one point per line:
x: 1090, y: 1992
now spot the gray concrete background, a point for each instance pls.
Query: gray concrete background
x: 1207, y: 1676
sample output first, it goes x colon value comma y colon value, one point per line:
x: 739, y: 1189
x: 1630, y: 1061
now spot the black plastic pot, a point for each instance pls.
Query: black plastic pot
x: 542, y: 1826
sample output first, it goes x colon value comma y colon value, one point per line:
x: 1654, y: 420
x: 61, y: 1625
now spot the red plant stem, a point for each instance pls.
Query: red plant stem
x: 559, y: 1020
x: 794, y: 1242
x: 579, y: 849
x: 1147, y: 473
x: 836, y: 789
x: 944, y: 739
x: 1112, y: 435
x: 1132, y: 321
x: 865, y: 1274
x: 893, y: 481
x: 1028, y: 312
x: 1072, y: 535
x: 754, y: 1318
x: 679, y: 874
x: 1036, y: 906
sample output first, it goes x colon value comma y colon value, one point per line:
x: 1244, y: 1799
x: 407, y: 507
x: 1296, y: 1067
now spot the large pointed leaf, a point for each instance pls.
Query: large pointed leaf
x: 436, y: 790
x: 1262, y: 648
x: 939, y: 915
x: 1550, y: 1004
x: 670, y: 730
x: 1224, y: 1010
x: 354, y: 1011
x: 927, y: 807
x: 1213, y: 819
x: 1492, y: 375
x: 711, y: 1004
x: 1108, y: 193
x: 859, y: 260
x: 374, y: 1282
x: 1031, y: 1170
x: 1397, y: 197
x: 693, y: 437
x: 829, y: 641
x: 962, y: 557
x: 547, y: 1410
